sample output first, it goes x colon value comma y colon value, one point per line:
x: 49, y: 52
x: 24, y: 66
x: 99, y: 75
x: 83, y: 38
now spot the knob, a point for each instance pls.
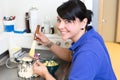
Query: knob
x: 58, y: 43
x: 67, y: 44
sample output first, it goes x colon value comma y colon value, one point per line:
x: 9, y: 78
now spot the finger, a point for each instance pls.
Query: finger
x: 35, y: 63
x: 40, y: 42
x: 41, y: 33
x: 40, y: 38
x: 37, y: 31
x: 38, y: 63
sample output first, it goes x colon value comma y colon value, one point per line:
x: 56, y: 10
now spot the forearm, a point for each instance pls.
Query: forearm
x: 49, y: 77
x: 62, y: 53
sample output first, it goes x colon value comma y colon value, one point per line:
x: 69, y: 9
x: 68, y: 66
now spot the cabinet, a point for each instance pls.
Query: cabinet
x: 118, y: 24
x: 4, y: 42
x: 107, y: 19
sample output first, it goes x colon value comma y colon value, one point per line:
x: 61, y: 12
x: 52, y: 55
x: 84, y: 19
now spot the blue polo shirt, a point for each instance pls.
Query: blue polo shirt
x: 90, y: 59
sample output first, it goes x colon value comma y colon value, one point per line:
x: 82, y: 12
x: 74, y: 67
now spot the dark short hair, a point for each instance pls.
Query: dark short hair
x: 74, y: 9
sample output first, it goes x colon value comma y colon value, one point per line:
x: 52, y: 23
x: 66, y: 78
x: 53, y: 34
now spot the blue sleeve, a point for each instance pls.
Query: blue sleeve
x: 84, y: 66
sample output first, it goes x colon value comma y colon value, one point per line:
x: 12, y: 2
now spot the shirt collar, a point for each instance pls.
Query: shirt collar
x: 81, y: 41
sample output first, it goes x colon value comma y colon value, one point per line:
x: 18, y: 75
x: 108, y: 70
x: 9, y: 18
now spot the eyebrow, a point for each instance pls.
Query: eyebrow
x: 58, y: 17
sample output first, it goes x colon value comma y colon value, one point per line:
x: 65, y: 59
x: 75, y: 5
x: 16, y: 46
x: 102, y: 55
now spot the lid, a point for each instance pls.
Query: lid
x: 29, y: 59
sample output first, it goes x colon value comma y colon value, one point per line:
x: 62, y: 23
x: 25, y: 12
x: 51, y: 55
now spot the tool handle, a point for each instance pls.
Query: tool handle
x: 36, y: 31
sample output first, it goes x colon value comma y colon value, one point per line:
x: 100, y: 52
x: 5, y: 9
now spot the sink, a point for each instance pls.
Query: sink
x: 63, y: 69
x: 61, y: 73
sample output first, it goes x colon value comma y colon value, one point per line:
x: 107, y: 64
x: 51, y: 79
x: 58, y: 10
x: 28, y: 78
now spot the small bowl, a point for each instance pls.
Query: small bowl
x: 52, y: 69
x: 52, y: 66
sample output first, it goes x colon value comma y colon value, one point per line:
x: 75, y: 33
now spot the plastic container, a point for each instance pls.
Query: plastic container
x: 8, y: 25
x: 33, y: 20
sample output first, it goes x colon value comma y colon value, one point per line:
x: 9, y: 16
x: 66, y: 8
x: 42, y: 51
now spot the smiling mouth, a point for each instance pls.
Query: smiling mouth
x: 63, y: 32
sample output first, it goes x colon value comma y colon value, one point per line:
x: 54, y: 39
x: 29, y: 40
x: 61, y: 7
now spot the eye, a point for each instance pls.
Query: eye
x: 68, y: 21
x: 58, y: 20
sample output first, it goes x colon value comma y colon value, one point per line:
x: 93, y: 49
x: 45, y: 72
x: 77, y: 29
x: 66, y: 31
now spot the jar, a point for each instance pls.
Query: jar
x: 25, y: 70
x: 52, y: 31
x: 46, y: 24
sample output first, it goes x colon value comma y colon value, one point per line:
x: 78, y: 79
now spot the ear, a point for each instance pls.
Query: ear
x: 85, y: 20
x: 84, y: 23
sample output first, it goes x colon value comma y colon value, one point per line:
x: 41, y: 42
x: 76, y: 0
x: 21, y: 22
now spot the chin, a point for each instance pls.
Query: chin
x: 65, y: 37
